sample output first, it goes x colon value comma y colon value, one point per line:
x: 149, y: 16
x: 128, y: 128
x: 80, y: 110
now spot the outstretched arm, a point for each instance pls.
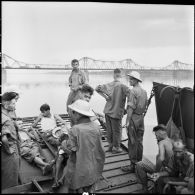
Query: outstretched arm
x: 37, y: 120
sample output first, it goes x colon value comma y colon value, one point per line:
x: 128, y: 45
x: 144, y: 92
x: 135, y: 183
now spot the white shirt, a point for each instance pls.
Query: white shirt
x: 48, y: 123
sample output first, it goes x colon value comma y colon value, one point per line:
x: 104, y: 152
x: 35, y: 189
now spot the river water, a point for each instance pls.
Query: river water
x: 51, y: 86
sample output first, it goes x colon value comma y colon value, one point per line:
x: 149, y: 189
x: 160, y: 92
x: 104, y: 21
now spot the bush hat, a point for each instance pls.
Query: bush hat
x: 135, y: 75
x: 82, y: 107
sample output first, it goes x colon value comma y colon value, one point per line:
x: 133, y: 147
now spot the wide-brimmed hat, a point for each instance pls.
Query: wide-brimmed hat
x: 82, y: 107
x: 135, y: 75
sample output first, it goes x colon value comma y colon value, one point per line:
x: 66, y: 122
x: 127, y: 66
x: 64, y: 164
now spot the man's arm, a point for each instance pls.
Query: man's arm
x: 161, y: 156
x: 37, y: 120
x: 129, y: 115
x: 102, y: 93
x: 5, y: 143
x: 57, y: 117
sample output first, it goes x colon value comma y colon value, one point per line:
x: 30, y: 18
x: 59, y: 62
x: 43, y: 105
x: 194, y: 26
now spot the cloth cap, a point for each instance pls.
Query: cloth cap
x: 82, y: 107
x: 135, y: 75
x: 8, y: 96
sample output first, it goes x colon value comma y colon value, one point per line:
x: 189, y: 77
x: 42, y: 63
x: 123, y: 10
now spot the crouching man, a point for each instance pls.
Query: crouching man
x: 165, y: 153
x: 179, y: 169
x: 86, y: 160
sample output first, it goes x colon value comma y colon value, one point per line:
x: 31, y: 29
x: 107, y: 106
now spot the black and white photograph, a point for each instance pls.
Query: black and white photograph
x: 97, y: 97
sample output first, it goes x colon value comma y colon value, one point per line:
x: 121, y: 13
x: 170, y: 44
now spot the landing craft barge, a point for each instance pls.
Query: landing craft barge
x: 113, y: 179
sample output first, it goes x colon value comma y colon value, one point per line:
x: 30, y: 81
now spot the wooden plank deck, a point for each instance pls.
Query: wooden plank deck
x: 114, y: 180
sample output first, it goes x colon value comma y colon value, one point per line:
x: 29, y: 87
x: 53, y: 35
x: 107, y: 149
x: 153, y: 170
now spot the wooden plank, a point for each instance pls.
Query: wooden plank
x: 18, y: 189
x: 116, y: 165
x: 109, y: 154
x: 124, y: 189
x: 113, y: 159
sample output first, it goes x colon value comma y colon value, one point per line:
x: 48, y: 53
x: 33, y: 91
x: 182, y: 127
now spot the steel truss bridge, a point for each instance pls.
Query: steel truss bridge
x: 87, y: 63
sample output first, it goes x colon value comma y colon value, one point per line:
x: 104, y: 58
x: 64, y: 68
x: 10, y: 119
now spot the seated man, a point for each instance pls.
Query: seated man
x: 165, y: 152
x: 30, y: 150
x: 179, y: 168
x: 48, y: 123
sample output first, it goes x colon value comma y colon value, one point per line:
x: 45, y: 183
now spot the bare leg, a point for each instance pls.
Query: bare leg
x: 40, y: 162
x: 58, y: 166
x: 63, y: 175
x: 45, y: 167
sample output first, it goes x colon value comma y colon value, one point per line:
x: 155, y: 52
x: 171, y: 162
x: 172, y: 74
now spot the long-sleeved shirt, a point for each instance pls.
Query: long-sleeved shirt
x: 86, y: 161
x: 116, y: 104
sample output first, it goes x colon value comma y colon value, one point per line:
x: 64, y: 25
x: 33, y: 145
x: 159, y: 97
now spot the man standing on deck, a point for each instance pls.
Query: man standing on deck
x: 76, y: 80
x: 10, y: 158
x: 136, y: 105
x: 87, y: 156
x: 115, y: 94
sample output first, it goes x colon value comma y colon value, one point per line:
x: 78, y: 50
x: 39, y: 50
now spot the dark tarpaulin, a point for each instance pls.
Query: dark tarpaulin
x: 164, y: 103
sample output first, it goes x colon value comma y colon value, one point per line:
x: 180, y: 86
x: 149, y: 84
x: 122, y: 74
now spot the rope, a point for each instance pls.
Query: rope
x: 149, y: 101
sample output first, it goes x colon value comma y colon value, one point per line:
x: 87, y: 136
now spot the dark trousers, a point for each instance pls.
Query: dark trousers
x: 135, y: 138
x: 10, y: 167
x: 114, y: 131
x: 162, y: 181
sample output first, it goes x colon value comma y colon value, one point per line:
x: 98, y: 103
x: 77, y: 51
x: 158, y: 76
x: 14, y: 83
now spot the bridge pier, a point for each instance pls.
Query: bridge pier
x: 4, y: 76
x: 86, y: 74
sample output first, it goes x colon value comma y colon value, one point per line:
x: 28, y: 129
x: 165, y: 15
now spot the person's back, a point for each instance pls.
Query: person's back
x: 168, y: 149
x: 89, y: 154
x: 141, y: 99
x: 118, y: 93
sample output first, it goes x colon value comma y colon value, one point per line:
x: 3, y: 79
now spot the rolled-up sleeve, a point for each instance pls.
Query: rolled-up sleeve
x: 131, y: 100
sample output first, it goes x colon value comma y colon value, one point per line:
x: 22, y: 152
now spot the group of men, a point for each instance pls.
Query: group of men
x: 82, y: 144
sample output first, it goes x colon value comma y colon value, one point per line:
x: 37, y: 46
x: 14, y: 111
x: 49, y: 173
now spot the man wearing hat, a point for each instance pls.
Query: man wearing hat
x: 86, y: 161
x: 10, y: 147
x: 179, y: 169
x: 136, y: 105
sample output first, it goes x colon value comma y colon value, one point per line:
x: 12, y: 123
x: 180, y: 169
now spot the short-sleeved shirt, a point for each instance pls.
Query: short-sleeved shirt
x: 76, y: 79
x: 137, y: 100
x: 118, y: 93
x: 181, y: 167
x: 48, y: 123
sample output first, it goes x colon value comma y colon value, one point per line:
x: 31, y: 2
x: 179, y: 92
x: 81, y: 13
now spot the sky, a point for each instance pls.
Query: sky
x: 57, y: 32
